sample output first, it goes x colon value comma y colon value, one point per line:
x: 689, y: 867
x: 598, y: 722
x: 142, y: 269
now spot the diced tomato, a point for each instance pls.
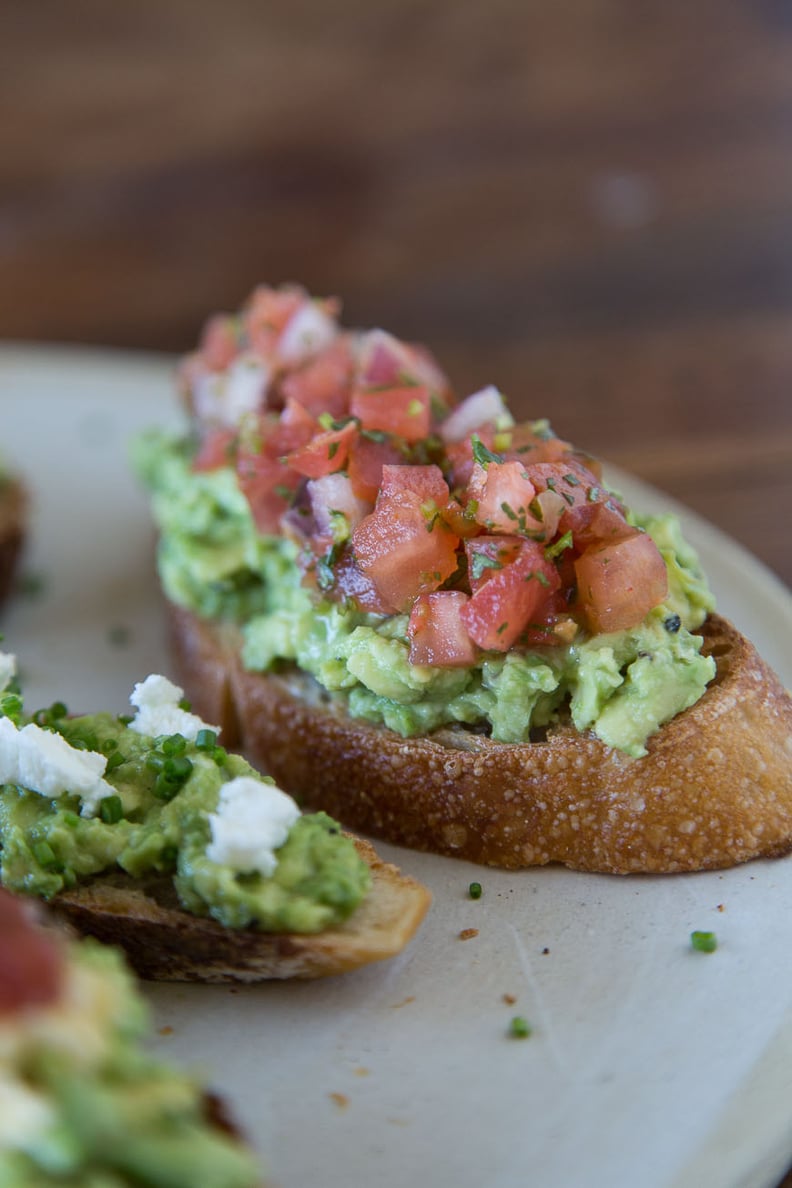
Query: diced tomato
x: 619, y: 583
x: 266, y: 314
x: 367, y: 457
x: 593, y: 523
x: 386, y: 362
x: 551, y: 625
x: 525, y: 445
x: 31, y: 963
x: 325, y: 453
x: 217, y: 449
x: 403, y: 411
x: 437, y: 634
x: 404, y: 551
x: 290, y: 431
x: 219, y: 342
x: 573, y: 482
x: 503, y: 494
x: 425, y: 481
x: 502, y: 607
x: 268, y: 485
x: 487, y: 554
x: 323, y: 384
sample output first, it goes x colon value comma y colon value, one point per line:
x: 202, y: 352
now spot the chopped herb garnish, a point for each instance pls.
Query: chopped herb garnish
x: 415, y: 408
x: 44, y: 854
x: 474, y: 890
x: 332, y: 449
x: 502, y: 628
x: 325, y: 419
x: 509, y: 510
x: 561, y: 545
x: 572, y: 479
x: 482, y: 454
x: 185, y: 705
x: 115, y: 760
x: 480, y: 562
x: 704, y: 942
x: 282, y: 491
x: 111, y: 810
x: 519, y: 1027
x: 118, y: 635
x: 593, y: 494
x: 377, y: 435
x: 205, y: 739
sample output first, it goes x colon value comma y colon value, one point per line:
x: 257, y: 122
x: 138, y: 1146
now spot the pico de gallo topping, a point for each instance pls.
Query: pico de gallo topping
x: 490, y: 535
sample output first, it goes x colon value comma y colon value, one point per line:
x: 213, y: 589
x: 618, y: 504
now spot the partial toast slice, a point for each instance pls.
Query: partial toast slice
x: 13, y: 526
x: 715, y: 788
x: 165, y: 943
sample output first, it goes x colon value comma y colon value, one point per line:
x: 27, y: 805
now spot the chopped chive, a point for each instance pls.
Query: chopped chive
x: 177, y: 768
x: 115, y: 760
x: 704, y: 942
x: 44, y: 854
x: 519, y: 1027
x: 58, y: 710
x: 482, y: 454
x: 220, y: 756
x: 555, y: 550
x: 205, y: 740
x: 174, y: 744
x: 111, y: 810
x: 125, y: 719
x: 474, y: 890
x: 71, y: 819
x: 185, y: 705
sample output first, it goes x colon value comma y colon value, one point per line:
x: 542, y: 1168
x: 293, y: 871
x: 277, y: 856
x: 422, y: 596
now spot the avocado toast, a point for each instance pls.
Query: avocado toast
x: 144, y: 831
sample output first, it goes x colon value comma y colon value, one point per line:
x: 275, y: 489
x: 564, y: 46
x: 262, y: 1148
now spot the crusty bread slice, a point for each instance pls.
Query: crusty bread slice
x: 13, y: 525
x: 715, y: 788
x: 165, y: 943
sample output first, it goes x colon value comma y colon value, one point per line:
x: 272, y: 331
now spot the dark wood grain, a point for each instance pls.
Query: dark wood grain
x: 588, y: 204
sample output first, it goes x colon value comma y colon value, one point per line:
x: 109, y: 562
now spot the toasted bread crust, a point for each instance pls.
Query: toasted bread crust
x: 714, y: 790
x: 13, y: 525
x: 164, y: 943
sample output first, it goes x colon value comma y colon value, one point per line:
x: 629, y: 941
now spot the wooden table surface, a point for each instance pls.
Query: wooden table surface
x: 589, y: 204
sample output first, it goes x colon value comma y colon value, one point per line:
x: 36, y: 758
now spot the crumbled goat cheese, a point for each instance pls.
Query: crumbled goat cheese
x: 8, y: 668
x: 158, y: 711
x: 252, y: 821
x: 228, y: 397
x: 307, y: 333
x: 45, y: 762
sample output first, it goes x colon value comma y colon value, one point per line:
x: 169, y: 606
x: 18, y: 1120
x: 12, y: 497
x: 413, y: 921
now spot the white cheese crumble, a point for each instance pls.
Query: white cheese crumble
x: 306, y: 333
x: 45, y: 762
x: 8, y: 668
x: 252, y: 821
x: 158, y: 711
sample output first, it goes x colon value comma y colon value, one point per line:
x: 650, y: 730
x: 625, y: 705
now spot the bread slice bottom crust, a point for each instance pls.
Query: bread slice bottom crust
x: 165, y: 943
x: 714, y: 790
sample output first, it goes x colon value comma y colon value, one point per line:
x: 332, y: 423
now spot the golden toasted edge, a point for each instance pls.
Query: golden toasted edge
x: 714, y: 790
x: 13, y: 531
x: 164, y: 943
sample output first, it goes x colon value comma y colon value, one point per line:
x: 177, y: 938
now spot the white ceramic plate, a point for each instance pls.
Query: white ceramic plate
x: 649, y: 1064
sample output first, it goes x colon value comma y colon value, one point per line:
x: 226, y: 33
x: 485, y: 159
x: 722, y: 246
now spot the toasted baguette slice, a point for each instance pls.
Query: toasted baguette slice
x: 165, y: 943
x: 13, y: 526
x: 715, y: 788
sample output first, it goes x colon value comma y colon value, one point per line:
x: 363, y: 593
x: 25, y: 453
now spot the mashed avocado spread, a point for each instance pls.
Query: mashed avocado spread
x: 160, y: 809
x: 85, y: 1106
x: 622, y: 685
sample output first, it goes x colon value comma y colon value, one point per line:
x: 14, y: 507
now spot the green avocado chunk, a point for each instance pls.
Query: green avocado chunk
x: 46, y: 844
